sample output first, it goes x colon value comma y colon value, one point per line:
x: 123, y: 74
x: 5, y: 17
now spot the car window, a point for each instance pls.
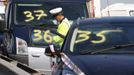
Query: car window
x: 96, y: 37
x: 39, y: 13
x: 42, y: 37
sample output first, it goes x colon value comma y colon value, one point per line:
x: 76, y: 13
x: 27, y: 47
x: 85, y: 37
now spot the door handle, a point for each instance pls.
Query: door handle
x: 36, y: 55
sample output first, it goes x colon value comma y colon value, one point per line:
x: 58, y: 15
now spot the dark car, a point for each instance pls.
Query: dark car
x: 99, y: 46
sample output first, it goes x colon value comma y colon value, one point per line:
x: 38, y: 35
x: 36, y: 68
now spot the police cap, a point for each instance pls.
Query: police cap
x: 56, y: 11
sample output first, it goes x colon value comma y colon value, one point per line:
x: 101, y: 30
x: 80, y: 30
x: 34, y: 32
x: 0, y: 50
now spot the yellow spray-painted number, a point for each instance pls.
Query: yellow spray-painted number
x: 37, y: 35
x: 37, y: 14
x: 85, y: 35
x: 102, y: 36
x: 46, y: 36
x: 29, y: 16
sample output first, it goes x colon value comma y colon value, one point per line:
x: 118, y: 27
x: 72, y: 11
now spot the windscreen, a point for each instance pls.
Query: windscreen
x: 36, y: 14
x: 88, y: 38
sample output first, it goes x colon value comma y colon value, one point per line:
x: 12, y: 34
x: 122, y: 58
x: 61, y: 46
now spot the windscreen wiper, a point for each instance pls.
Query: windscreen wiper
x: 110, y: 48
x: 107, y: 49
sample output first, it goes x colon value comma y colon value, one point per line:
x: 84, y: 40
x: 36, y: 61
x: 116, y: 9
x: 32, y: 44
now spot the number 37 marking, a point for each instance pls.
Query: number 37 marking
x: 37, y: 13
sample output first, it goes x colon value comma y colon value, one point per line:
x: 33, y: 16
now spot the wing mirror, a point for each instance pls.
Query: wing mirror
x: 52, y: 51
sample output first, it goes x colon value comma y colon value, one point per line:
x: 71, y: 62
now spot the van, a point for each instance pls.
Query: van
x: 29, y: 26
x: 118, y: 9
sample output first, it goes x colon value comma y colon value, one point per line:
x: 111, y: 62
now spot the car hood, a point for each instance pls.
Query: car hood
x: 105, y: 64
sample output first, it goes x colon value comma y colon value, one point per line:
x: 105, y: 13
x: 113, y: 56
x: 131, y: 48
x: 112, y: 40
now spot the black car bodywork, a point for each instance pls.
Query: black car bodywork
x: 101, y: 46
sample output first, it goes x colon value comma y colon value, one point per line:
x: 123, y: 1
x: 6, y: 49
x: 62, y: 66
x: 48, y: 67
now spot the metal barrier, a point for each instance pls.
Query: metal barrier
x: 17, y: 67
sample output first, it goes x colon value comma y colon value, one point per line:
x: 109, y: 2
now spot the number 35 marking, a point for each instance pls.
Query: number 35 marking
x: 85, y: 35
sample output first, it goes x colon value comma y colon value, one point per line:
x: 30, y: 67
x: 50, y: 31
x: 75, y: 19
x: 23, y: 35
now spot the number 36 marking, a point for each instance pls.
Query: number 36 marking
x: 46, y: 36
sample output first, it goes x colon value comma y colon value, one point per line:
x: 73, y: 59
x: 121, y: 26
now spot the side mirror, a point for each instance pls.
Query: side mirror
x: 52, y: 51
x: 2, y: 25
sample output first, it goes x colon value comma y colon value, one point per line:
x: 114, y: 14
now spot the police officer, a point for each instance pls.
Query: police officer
x: 63, y: 24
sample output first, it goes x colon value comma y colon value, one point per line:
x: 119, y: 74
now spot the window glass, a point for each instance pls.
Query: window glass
x: 39, y: 19
x: 96, y: 37
x: 42, y: 37
x: 36, y: 14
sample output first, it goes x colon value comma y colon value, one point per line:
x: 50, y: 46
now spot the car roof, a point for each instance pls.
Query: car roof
x: 117, y: 19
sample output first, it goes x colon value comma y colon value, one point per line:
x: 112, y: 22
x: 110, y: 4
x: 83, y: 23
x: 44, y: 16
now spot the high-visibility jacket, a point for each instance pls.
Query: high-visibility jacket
x: 63, y: 28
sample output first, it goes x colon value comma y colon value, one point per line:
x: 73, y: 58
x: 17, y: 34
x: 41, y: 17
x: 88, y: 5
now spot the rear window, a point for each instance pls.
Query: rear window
x: 96, y: 37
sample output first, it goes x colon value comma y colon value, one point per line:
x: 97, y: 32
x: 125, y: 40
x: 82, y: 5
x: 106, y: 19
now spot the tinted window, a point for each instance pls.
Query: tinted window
x: 96, y: 37
x: 41, y: 37
x: 39, y: 13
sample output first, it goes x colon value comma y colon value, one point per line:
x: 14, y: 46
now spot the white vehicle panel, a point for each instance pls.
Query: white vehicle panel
x: 38, y: 60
